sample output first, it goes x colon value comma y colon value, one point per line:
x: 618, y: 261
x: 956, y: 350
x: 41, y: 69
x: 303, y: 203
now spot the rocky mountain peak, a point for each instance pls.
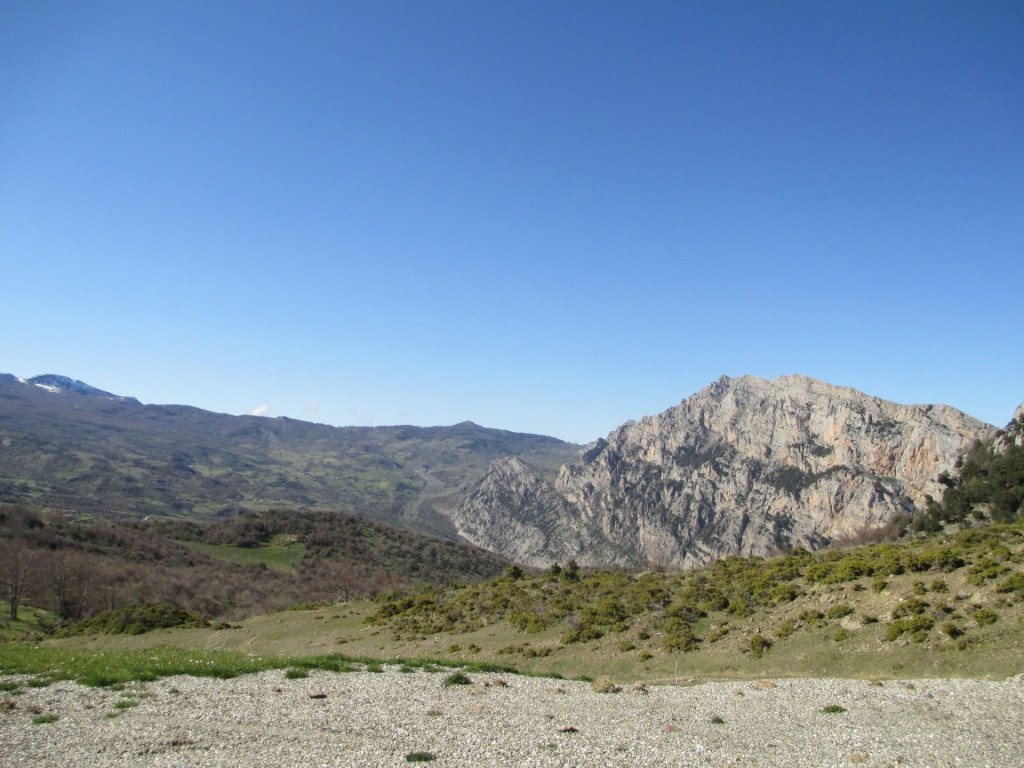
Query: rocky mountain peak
x: 811, y: 426
x: 745, y: 466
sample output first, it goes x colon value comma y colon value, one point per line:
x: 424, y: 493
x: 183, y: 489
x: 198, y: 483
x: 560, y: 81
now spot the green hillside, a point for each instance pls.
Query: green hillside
x: 90, y: 455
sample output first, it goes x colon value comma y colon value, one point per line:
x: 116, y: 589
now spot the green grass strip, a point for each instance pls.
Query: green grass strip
x: 111, y: 668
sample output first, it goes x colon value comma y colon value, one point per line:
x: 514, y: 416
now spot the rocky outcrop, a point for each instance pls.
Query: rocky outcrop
x: 745, y: 466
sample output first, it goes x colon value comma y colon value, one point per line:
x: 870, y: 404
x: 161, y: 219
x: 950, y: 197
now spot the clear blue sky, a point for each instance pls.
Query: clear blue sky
x: 548, y: 217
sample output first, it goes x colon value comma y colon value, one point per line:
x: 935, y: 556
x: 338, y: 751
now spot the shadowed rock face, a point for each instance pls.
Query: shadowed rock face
x: 745, y: 466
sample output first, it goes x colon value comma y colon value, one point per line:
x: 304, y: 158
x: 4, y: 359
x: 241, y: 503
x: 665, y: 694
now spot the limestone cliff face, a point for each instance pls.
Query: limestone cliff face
x: 745, y: 466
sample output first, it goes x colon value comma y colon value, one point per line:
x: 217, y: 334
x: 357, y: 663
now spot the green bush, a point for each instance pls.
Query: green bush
x: 838, y: 611
x: 917, y: 627
x: 985, y: 569
x: 609, y: 610
x: 812, y: 618
x: 420, y: 757
x: 679, y: 636
x: 136, y: 619
x: 758, y: 645
x: 718, y: 633
x: 951, y: 629
x: 911, y: 607
x: 1014, y: 583
x: 457, y: 678
x: 784, y: 593
x: 984, y: 616
x: 785, y: 629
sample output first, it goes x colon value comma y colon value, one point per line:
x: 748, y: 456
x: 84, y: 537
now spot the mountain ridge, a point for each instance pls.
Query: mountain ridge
x: 102, y: 454
x: 745, y: 466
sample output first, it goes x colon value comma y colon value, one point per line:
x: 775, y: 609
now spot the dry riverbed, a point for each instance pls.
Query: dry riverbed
x: 394, y: 719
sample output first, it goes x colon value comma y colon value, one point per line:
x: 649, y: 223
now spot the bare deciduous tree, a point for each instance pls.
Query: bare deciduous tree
x: 17, y: 561
x: 69, y: 579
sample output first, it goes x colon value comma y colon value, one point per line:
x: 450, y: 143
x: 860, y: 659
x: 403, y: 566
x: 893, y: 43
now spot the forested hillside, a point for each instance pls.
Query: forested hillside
x: 226, y: 570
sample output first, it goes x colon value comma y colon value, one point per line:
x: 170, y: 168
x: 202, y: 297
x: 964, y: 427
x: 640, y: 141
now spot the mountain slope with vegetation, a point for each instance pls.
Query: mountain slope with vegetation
x: 73, y: 447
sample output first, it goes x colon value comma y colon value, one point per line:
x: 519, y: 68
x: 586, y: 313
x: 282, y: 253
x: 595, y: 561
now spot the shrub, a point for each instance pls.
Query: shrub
x: 833, y: 709
x: 785, y: 629
x: 838, y: 611
x: 420, y: 757
x: 984, y: 616
x: 784, y: 593
x: 812, y: 618
x: 457, y: 678
x: 963, y: 643
x: 718, y: 633
x: 758, y: 645
x: 679, y: 636
x: 911, y: 607
x: 136, y: 619
x: 608, y: 611
x: 951, y: 629
x: 604, y: 686
x: 985, y: 569
x: 917, y: 627
x: 1014, y: 583
x: 739, y: 607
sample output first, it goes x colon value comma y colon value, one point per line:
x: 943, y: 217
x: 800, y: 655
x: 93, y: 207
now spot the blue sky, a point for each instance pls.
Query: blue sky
x: 548, y: 217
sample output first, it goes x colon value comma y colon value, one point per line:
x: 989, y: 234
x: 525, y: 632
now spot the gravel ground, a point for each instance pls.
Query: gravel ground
x: 367, y: 719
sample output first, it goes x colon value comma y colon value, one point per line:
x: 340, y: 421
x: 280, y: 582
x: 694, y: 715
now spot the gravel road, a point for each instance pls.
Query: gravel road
x: 382, y: 719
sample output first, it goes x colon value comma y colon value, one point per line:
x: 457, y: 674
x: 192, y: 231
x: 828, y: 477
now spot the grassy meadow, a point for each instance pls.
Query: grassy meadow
x: 280, y: 554
x: 946, y: 606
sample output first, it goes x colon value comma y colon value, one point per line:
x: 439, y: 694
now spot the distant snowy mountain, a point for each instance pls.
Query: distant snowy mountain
x: 53, y: 382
